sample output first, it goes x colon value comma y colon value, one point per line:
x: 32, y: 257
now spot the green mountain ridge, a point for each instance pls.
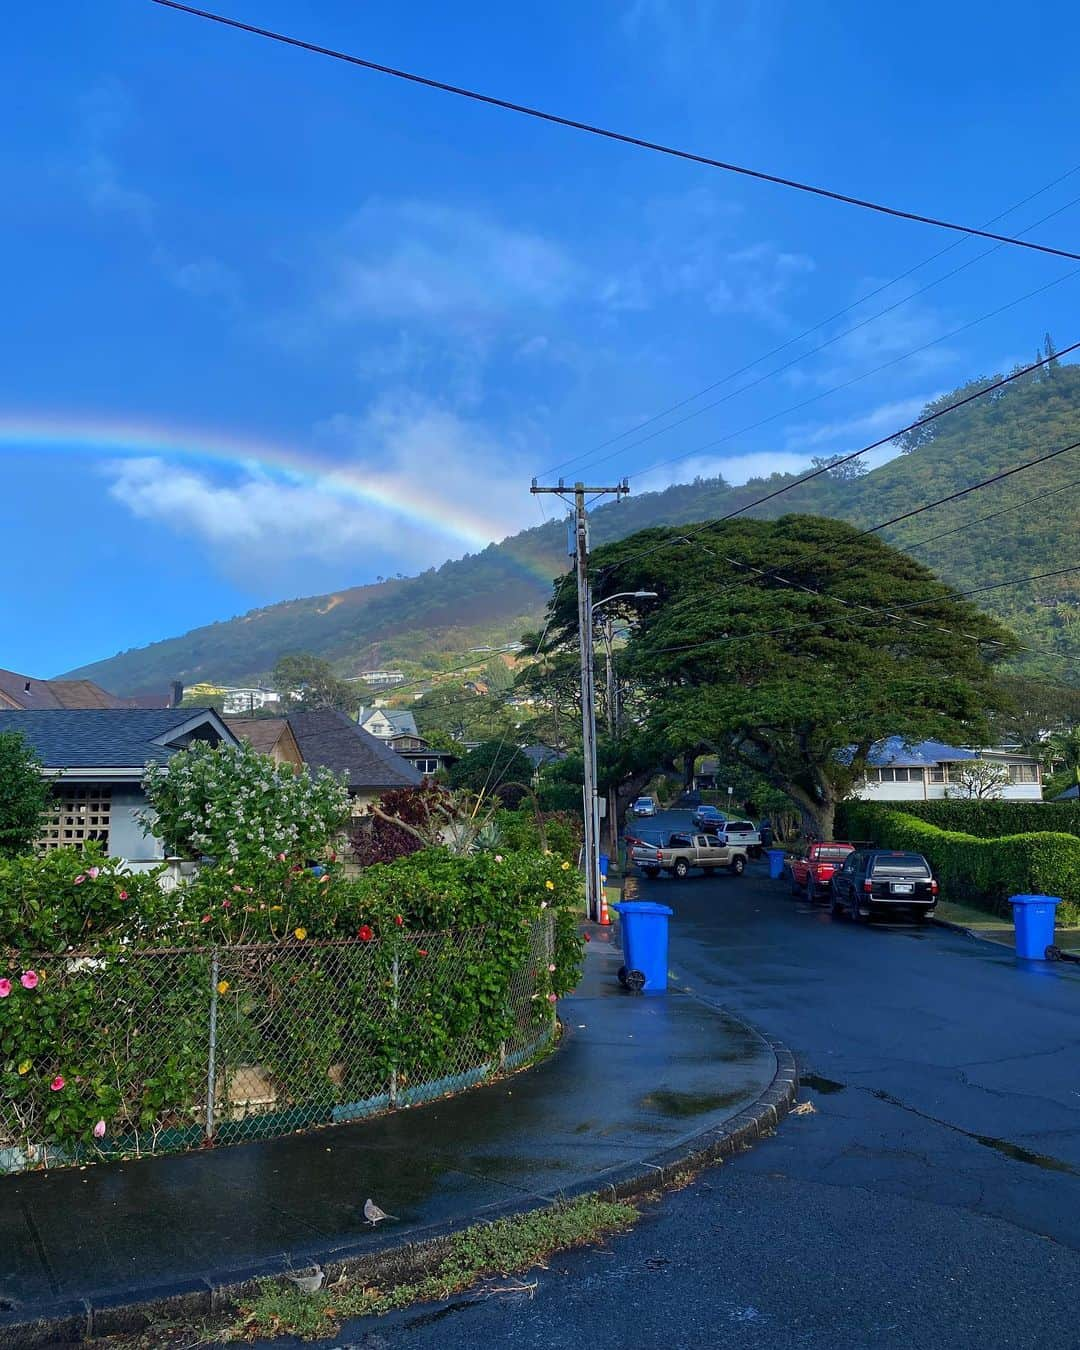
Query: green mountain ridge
x: 492, y: 596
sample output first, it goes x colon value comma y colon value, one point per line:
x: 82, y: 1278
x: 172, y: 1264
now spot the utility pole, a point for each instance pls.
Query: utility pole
x: 580, y: 553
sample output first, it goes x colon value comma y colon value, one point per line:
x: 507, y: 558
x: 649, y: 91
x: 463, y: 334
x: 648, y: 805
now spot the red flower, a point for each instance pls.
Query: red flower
x: 123, y: 895
x: 587, y: 937
x: 205, y: 918
x: 365, y: 933
x: 398, y: 920
x: 57, y: 1083
x: 421, y: 951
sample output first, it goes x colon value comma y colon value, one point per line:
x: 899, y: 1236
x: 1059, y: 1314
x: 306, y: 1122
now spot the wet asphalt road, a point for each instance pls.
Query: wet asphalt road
x: 931, y: 1200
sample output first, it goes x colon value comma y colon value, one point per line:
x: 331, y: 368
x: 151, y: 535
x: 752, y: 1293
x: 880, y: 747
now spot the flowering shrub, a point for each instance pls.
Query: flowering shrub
x: 66, y: 898
x: 412, y: 970
x: 232, y: 803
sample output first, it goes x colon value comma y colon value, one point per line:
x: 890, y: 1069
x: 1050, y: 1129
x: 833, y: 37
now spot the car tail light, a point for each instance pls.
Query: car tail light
x: 659, y: 855
x: 933, y: 888
x: 868, y: 887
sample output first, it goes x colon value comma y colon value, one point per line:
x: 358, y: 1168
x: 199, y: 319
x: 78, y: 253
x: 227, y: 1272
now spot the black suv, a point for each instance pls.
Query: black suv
x: 878, y: 881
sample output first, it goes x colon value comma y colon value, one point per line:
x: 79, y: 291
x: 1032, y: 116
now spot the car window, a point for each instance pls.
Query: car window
x: 901, y: 863
x: 833, y: 854
x: 741, y: 825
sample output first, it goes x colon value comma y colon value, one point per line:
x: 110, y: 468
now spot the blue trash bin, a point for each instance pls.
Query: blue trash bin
x: 604, y: 863
x: 644, y: 934
x: 1033, y: 918
x: 776, y: 862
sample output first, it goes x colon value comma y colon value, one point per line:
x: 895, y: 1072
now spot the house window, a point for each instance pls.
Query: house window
x: 79, y: 814
x: 1023, y: 773
x: 427, y: 765
x: 899, y: 775
x: 937, y: 773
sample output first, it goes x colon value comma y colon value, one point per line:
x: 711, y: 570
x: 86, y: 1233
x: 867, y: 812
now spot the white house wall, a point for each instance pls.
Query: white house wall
x: 918, y: 792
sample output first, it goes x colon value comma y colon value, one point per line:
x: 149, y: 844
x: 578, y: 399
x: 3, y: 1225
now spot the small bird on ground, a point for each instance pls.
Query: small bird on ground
x: 310, y: 1282
x: 374, y: 1214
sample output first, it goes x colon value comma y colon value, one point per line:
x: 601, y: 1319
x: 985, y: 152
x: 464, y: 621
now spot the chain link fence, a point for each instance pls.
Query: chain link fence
x: 143, y: 1052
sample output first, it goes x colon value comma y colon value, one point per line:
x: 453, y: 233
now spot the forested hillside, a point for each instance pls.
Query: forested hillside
x: 492, y: 596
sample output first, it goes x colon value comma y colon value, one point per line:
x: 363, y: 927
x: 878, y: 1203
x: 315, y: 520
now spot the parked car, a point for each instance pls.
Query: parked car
x: 877, y: 881
x: 683, y: 851
x: 742, y: 833
x: 708, y: 818
x: 644, y: 806
x: 812, y: 873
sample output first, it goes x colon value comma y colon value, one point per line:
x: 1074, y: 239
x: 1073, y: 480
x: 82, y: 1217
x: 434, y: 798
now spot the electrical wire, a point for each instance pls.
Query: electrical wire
x: 847, y: 384
x: 846, y: 459
x: 812, y: 351
x: 968, y: 524
x: 624, y: 138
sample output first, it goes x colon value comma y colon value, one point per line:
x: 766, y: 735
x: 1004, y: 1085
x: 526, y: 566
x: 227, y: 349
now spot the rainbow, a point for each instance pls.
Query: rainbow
x: 90, y: 436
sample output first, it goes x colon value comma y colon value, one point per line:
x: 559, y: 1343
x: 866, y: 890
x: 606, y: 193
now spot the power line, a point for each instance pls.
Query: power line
x: 608, y: 134
x: 845, y: 459
x: 974, y: 487
x: 813, y: 351
x: 845, y: 384
x: 967, y: 524
x: 890, y: 611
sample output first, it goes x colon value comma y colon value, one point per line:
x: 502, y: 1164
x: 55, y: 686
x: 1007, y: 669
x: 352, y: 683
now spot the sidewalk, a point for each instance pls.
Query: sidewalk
x: 634, y: 1082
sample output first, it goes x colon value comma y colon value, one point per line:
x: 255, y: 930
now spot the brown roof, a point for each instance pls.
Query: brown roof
x: 261, y: 732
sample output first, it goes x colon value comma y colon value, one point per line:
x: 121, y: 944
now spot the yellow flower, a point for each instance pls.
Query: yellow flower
x: 550, y: 885
x: 223, y: 986
x: 566, y: 867
x: 300, y: 934
x: 24, y: 1067
x: 274, y: 909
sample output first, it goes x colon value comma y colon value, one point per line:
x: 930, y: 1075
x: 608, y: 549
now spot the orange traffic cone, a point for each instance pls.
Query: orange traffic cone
x: 605, y: 917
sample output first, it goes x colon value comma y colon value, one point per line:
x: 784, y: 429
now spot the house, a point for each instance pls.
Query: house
x: 97, y: 758
x: 329, y: 739
x: 270, y: 736
x: 382, y: 679
x: 898, y: 772
x: 539, y: 756
x: 28, y: 692
x: 397, y: 727
x: 248, y: 699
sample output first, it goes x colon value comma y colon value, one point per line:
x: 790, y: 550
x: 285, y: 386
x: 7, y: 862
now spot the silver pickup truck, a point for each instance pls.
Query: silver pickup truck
x: 683, y: 851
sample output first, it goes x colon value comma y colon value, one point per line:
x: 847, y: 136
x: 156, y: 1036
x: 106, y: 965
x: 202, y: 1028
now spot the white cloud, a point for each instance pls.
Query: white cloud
x: 421, y: 261
x: 440, y: 486
x: 735, y: 469
x: 104, y: 113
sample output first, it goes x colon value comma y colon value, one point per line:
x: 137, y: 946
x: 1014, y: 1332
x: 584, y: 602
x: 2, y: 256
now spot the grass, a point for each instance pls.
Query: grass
x: 994, y: 926
x: 506, y: 1247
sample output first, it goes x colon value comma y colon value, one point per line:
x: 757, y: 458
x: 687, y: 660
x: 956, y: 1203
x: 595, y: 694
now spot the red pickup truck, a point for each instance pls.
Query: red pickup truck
x: 810, y: 875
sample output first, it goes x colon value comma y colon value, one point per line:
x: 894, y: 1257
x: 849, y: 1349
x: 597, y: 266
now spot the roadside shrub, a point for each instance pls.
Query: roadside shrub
x: 519, y: 831
x: 984, y: 872
x: 986, y: 819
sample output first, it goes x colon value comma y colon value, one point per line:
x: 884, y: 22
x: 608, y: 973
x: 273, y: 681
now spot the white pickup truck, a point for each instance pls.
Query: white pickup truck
x: 683, y: 851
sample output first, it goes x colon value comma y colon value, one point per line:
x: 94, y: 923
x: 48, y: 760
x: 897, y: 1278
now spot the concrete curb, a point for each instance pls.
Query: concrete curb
x: 386, y: 1261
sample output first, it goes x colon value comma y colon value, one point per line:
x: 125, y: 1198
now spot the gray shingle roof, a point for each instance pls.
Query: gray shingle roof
x: 331, y: 740
x: 105, y: 738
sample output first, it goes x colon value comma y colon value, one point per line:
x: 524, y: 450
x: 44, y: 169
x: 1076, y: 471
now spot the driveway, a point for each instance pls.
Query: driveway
x: 931, y: 1199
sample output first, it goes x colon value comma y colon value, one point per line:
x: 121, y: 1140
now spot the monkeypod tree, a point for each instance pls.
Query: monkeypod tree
x: 793, y: 645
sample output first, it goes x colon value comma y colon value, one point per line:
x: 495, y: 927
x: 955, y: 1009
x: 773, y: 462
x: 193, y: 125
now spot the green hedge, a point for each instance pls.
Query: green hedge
x: 984, y: 872
x: 986, y: 820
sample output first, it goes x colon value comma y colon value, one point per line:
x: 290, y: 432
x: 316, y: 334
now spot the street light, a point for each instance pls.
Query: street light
x: 592, y: 822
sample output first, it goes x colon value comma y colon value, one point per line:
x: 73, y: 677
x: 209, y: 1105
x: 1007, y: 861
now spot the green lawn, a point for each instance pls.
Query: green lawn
x: 996, y: 928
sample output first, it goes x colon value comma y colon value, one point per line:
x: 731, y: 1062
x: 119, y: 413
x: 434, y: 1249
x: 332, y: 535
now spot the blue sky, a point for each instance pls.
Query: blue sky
x: 282, y: 266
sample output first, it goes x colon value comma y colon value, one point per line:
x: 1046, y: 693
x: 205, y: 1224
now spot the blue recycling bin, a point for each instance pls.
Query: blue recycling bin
x: 644, y: 934
x: 604, y: 862
x: 776, y: 862
x: 1033, y: 918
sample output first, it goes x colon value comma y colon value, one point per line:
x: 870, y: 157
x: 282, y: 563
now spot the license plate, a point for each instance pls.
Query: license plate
x: 902, y: 888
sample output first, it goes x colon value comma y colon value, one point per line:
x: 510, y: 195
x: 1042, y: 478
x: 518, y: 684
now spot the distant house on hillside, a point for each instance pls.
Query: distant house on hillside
x: 28, y: 692
x: 898, y: 772
x: 270, y: 736
x: 397, y: 727
x: 248, y: 699
x: 97, y: 758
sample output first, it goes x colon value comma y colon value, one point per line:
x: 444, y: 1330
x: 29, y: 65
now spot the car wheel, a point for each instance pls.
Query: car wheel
x: 836, y: 905
x: 796, y: 889
x: 811, y: 892
x: 738, y: 865
x: 853, y: 908
x: 681, y: 868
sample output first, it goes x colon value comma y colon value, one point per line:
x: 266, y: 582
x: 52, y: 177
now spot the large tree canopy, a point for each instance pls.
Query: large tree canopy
x: 751, y: 651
